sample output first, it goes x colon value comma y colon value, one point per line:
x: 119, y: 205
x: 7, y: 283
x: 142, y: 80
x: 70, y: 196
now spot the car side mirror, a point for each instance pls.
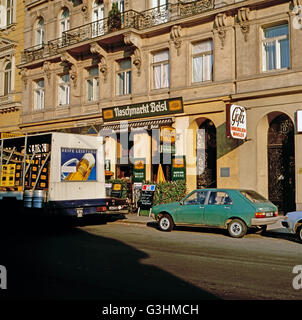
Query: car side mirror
x: 181, y: 203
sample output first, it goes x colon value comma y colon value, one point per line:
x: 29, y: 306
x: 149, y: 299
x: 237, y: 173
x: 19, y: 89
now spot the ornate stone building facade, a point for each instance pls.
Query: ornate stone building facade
x: 11, y: 47
x: 82, y: 72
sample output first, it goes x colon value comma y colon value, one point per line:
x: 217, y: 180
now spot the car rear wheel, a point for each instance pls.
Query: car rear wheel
x: 299, y: 233
x: 166, y: 223
x: 237, y: 228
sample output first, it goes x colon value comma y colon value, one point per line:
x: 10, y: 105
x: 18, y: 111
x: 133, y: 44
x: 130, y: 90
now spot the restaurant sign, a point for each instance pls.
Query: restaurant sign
x: 142, y: 110
x: 236, y: 122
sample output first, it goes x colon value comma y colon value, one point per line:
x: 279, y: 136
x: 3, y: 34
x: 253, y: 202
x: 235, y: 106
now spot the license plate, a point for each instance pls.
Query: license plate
x: 79, y: 212
x: 269, y: 214
x: 113, y: 208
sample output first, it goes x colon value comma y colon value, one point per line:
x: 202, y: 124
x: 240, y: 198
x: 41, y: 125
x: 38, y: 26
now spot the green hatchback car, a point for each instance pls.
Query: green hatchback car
x: 233, y: 209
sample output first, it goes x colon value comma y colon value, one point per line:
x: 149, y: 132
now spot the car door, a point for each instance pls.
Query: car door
x: 217, y: 209
x: 192, y: 209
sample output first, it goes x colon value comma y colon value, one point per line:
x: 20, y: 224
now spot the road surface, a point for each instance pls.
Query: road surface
x: 115, y: 261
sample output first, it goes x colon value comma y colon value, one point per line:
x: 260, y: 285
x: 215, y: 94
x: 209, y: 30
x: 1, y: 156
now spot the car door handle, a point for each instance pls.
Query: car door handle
x: 201, y: 207
x: 226, y: 207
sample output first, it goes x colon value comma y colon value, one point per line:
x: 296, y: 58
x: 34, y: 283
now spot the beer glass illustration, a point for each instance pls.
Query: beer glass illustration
x: 82, y: 169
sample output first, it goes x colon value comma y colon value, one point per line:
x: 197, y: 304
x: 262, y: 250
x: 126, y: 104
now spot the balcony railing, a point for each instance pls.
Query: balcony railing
x: 129, y: 19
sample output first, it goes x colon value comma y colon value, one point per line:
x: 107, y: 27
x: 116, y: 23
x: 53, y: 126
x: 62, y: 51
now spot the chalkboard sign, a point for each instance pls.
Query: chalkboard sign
x: 146, y: 199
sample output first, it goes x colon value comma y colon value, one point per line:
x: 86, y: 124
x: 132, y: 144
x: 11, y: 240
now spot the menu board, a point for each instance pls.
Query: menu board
x: 146, y: 199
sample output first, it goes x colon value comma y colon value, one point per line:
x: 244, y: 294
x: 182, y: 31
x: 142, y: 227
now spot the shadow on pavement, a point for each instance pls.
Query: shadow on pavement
x: 48, y: 259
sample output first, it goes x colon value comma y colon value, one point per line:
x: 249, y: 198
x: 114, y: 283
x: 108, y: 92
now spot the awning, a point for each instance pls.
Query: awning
x: 135, y: 125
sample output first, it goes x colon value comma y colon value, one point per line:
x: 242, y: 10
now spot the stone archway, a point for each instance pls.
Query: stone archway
x: 206, y: 151
x: 281, y: 161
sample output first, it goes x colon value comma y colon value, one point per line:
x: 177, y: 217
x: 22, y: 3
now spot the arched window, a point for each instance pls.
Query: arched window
x: 7, y: 78
x: 40, y: 31
x: 64, y: 20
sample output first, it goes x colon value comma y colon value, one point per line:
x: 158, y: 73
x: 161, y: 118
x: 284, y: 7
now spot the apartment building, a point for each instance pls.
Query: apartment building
x: 179, y: 68
x: 11, y: 47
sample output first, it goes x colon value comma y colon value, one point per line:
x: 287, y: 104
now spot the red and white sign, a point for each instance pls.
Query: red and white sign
x: 237, y: 122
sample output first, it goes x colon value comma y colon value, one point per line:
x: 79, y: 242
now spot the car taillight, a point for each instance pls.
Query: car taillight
x: 276, y: 214
x: 101, y: 209
x: 260, y: 215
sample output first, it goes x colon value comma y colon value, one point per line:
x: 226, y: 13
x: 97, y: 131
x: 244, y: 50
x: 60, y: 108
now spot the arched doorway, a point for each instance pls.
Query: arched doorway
x: 206, y: 154
x: 281, y: 162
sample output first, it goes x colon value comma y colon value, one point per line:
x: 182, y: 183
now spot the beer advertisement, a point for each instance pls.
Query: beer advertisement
x: 78, y: 164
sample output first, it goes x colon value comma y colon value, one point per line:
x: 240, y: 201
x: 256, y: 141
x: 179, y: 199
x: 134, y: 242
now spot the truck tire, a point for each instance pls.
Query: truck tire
x: 237, y: 228
x: 299, y: 233
x: 166, y: 223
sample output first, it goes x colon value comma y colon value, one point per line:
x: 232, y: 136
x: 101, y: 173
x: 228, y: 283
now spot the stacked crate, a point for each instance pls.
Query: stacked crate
x: 32, y: 177
x: 8, y: 175
x: 11, y: 170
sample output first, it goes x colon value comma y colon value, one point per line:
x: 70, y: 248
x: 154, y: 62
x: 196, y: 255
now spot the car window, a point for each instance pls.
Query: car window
x: 196, y: 198
x: 253, y: 196
x: 219, y: 198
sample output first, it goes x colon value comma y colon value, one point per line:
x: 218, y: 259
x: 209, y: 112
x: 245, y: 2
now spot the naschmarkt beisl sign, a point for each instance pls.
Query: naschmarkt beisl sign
x: 236, y: 122
x: 143, y: 110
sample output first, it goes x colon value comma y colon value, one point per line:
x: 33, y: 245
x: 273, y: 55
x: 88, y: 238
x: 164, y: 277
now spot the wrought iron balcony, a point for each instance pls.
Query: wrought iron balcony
x: 129, y: 19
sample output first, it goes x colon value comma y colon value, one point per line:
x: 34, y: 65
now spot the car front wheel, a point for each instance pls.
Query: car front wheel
x: 166, y: 223
x: 237, y: 228
x: 299, y: 233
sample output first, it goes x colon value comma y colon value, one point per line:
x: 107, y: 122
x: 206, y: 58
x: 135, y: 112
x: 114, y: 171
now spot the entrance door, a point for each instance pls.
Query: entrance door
x: 206, y: 155
x: 281, y: 163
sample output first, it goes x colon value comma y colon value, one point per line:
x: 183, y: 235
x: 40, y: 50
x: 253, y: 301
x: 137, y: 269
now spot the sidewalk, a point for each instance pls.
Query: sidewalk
x: 133, y: 218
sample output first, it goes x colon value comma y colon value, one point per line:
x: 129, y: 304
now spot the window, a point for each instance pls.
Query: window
x: 40, y: 32
x: 64, y: 88
x: 161, y: 70
x: 39, y: 95
x: 64, y: 21
x: 124, y: 77
x: 93, y: 84
x: 202, y: 63
x: 160, y: 11
x: 120, y: 4
x: 196, y: 198
x: 97, y: 18
x: 276, y: 53
x: 220, y: 198
x: 9, y: 12
x: 7, y: 79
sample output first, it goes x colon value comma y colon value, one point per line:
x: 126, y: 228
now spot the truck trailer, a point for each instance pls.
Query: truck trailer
x: 54, y: 173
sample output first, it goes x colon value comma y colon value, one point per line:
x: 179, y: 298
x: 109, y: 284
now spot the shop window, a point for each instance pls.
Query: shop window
x: 39, y: 95
x: 275, y: 48
x: 93, y: 84
x: 202, y: 61
x: 161, y: 76
x: 124, y: 77
x: 124, y: 154
x: 64, y: 90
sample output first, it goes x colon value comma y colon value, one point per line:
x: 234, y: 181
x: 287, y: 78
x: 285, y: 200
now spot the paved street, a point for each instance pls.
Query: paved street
x: 115, y: 260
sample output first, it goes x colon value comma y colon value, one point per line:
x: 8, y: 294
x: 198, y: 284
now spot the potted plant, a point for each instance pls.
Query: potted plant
x: 114, y: 18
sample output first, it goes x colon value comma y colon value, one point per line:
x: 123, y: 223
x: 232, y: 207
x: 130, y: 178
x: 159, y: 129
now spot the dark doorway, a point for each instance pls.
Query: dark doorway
x: 281, y: 163
x: 206, y: 155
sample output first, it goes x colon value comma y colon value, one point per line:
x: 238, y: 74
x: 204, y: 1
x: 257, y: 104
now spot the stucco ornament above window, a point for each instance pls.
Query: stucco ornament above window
x: 297, y: 10
x: 243, y: 16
